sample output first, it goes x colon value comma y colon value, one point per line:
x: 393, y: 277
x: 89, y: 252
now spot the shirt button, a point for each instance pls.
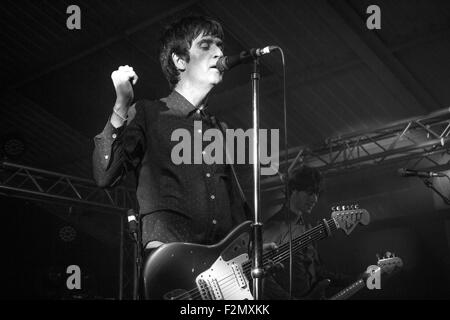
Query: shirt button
x: 203, y: 152
x: 106, y: 157
x: 214, y: 221
x: 114, y: 136
x: 208, y: 175
x: 199, y: 130
x: 213, y: 197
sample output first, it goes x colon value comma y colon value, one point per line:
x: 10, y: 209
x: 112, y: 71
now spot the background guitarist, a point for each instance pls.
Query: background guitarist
x: 309, y: 275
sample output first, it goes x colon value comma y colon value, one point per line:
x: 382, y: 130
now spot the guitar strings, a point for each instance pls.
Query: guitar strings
x: 247, y: 268
x: 281, y: 251
x: 195, y: 293
x: 312, y: 233
x: 247, y: 265
x: 316, y: 231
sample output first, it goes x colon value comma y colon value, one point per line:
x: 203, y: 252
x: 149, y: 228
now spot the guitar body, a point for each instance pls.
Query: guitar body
x: 192, y: 271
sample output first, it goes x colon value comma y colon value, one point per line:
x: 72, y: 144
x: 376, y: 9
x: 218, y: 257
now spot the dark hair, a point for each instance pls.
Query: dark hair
x: 177, y: 38
x: 307, y: 179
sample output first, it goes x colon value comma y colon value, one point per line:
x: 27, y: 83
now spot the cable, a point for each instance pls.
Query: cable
x: 286, y: 175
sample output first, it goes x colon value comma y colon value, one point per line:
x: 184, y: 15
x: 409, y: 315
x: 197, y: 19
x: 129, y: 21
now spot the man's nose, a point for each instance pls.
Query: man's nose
x: 218, y: 52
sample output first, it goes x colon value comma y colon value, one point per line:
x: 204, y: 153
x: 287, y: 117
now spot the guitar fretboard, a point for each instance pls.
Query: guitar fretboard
x: 349, y: 291
x: 282, y: 253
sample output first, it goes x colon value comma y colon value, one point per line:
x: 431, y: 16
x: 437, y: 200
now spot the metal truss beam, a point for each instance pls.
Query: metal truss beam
x: 47, y: 186
x: 29, y: 183
x: 416, y: 139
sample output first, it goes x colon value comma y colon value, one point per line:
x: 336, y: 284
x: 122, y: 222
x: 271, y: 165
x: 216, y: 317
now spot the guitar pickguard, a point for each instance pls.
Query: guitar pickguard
x: 225, y: 280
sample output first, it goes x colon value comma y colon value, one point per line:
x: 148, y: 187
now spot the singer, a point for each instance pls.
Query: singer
x: 197, y: 203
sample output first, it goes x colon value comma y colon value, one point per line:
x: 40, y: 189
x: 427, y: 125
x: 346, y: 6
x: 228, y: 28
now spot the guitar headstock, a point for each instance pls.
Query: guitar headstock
x: 348, y: 217
x: 389, y: 262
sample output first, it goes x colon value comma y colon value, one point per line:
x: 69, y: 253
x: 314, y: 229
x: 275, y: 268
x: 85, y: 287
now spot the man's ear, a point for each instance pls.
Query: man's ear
x: 179, y: 62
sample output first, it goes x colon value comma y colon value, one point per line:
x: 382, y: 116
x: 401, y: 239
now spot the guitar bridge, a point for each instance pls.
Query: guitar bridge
x: 209, y: 289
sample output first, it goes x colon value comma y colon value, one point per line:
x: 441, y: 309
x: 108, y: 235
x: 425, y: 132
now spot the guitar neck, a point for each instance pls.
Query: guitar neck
x: 349, y: 291
x: 321, y: 231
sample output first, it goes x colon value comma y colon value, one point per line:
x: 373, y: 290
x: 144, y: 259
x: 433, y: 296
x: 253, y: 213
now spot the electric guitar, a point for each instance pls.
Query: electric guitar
x: 388, y: 264
x: 186, y: 271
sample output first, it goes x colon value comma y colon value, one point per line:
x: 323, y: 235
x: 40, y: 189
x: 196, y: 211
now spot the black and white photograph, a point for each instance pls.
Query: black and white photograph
x: 225, y: 150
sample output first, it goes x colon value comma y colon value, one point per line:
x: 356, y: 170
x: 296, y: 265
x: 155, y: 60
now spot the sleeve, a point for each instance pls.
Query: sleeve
x: 118, y: 150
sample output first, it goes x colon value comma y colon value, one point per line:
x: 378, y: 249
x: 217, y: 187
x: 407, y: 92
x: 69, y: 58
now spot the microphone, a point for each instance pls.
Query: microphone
x: 132, y: 223
x: 228, y: 62
x: 422, y: 174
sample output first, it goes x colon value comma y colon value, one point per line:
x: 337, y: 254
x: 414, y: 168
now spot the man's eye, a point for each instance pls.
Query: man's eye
x: 204, y: 46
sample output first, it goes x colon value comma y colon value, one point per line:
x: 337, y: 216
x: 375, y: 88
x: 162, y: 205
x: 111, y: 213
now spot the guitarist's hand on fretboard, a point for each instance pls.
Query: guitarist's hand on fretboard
x: 271, y: 267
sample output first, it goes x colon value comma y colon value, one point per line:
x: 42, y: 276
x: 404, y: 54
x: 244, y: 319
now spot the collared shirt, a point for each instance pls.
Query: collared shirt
x: 199, y: 200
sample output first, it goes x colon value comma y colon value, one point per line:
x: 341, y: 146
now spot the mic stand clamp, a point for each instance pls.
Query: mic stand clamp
x: 429, y: 184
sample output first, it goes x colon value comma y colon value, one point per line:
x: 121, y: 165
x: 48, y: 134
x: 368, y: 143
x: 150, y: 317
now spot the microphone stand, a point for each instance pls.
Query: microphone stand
x: 136, y: 235
x: 138, y: 259
x: 429, y: 184
x: 257, y: 265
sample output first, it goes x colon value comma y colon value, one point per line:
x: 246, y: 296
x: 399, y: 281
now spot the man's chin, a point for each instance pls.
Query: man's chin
x: 219, y: 80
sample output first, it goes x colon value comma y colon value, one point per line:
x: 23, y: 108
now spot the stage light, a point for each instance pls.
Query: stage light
x: 67, y: 234
x: 13, y: 146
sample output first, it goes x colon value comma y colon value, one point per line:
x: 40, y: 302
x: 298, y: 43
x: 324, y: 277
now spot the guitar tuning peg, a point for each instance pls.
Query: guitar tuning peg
x: 356, y: 206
